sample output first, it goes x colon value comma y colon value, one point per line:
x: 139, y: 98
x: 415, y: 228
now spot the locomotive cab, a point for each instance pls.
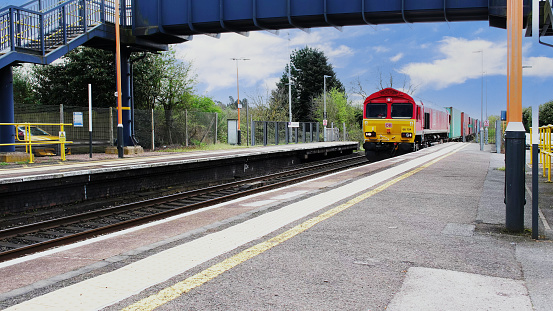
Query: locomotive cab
x: 389, y: 123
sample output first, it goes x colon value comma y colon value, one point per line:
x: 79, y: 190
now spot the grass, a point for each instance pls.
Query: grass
x: 501, y: 168
x: 4, y: 163
x: 218, y: 146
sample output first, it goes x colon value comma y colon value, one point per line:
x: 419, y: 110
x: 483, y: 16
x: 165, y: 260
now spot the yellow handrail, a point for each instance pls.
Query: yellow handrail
x: 545, y: 149
x: 28, y: 143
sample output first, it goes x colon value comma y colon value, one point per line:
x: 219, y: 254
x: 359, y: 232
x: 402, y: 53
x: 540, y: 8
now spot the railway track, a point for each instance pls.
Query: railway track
x: 23, y: 240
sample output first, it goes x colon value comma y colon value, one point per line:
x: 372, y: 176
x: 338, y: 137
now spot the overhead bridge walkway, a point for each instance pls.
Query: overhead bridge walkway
x: 41, y: 31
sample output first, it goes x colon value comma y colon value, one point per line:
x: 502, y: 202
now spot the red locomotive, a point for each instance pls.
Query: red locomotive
x: 394, y: 123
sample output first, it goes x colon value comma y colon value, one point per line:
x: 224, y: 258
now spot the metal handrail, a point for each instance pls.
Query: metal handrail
x: 43, y: 25
x: 545, y: 149
x: 28, y: 143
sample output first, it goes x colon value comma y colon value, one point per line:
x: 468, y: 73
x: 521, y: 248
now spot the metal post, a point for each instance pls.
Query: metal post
x: 535, y: 151
x: 324, y: 114
x: 264, y: 133
x: 318, y: 134
x: 515, y: 133
x: 186, y: 127
x: 287, y: 133
x: 153, y: 131
x: 535, y: 135
x: 276, y: 133
x: 253, y: 132
x: 90, y: 120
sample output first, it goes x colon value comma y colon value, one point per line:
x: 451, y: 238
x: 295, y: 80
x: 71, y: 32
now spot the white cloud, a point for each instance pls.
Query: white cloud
x: 268, y: 56
x: 541, y: 67
x: 458, y: 63
x: 211, y: 58
x: 381, y: 49
x: 396, y: 58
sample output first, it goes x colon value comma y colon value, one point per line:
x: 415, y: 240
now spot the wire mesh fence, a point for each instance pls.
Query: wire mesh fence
x: 159, y: 128
x: 167, y: 128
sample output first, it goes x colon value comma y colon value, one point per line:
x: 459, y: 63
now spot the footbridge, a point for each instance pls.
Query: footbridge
x: 41, y: 31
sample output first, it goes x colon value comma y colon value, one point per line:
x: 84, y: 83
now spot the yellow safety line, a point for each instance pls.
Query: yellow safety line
x: 168, y: 294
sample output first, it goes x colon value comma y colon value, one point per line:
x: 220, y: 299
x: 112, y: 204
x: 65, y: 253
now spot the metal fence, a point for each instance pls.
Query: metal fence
x: 275, y: 133
x: 175, y: 128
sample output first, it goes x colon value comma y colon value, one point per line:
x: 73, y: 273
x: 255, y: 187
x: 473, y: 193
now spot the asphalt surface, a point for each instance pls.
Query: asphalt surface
x: 433, y: 241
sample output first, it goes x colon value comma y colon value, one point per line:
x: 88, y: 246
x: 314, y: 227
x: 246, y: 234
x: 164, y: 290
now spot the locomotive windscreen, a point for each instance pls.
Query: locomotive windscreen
x: 376, y: 111
x: 402, y: 111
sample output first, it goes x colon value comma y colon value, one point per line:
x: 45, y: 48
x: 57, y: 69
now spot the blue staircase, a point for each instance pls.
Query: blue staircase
x: 41, y: 31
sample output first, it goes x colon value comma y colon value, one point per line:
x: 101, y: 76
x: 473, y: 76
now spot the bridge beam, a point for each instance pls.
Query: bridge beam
x: 7, y: 132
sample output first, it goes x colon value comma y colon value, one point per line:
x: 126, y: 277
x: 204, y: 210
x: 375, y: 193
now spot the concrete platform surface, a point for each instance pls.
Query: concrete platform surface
x: 419, y: 232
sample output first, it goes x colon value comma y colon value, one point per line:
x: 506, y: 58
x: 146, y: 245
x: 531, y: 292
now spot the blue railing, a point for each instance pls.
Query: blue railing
x: 43, y: 25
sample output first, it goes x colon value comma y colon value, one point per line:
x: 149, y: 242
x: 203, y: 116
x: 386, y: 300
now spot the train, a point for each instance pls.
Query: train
x: 393, y: 123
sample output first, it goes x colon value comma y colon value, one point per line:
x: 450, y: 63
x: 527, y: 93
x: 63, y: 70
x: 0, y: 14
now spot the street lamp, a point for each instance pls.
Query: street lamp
x: 481, y: 103
x: 324, y: 113
x: 238, y: 91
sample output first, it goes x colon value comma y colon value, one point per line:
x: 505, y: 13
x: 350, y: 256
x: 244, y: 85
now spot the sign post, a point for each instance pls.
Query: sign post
x: 90, y: 120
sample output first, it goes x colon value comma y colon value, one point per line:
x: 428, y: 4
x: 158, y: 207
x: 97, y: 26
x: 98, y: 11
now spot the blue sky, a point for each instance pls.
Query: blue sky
x: 439, y: 59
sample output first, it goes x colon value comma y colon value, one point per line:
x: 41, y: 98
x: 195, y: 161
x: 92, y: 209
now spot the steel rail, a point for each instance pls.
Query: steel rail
x: 109, y: 228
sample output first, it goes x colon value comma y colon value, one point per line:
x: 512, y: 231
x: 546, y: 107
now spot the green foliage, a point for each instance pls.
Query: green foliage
x: 22, y: 88
x: 159, y: 79
x: 66, y: 82
x: 545, y: 117
x: 308, y: 68
x: 340, y: 110
x: 204, y: 103
x: 546, y: 113
x: 527, y: 118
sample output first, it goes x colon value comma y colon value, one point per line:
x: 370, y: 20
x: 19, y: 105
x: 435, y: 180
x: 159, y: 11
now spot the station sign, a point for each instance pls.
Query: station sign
x: 77, y: 119
x: 293, y: 124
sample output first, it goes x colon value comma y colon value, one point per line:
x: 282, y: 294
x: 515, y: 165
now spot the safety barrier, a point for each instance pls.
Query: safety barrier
x: 544, y: 146
x: 26, y: 138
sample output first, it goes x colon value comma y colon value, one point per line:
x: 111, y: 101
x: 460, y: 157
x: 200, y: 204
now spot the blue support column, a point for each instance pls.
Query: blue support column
x: 126, y: 99
x: 7, y: 132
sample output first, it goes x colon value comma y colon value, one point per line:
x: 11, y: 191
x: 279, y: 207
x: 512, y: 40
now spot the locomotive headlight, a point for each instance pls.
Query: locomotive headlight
x: 370, y: 134
x: 406, y: 135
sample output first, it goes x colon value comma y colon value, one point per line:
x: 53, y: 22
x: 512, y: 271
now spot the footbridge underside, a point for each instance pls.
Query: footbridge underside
x: 161, y: 19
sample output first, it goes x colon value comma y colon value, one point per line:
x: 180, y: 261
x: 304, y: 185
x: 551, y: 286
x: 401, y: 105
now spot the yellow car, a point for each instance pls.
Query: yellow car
x: 39, y: 140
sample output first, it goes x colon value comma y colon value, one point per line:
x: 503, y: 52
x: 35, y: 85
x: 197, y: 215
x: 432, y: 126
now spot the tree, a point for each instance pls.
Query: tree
x: 308, y: 66
x: 546, y: 113
x: 22, y: 88
x: 176, y: 83
x: 204, y: 103
x: 527, y: 118
x: 66, y: 82
x: 340, y: 110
